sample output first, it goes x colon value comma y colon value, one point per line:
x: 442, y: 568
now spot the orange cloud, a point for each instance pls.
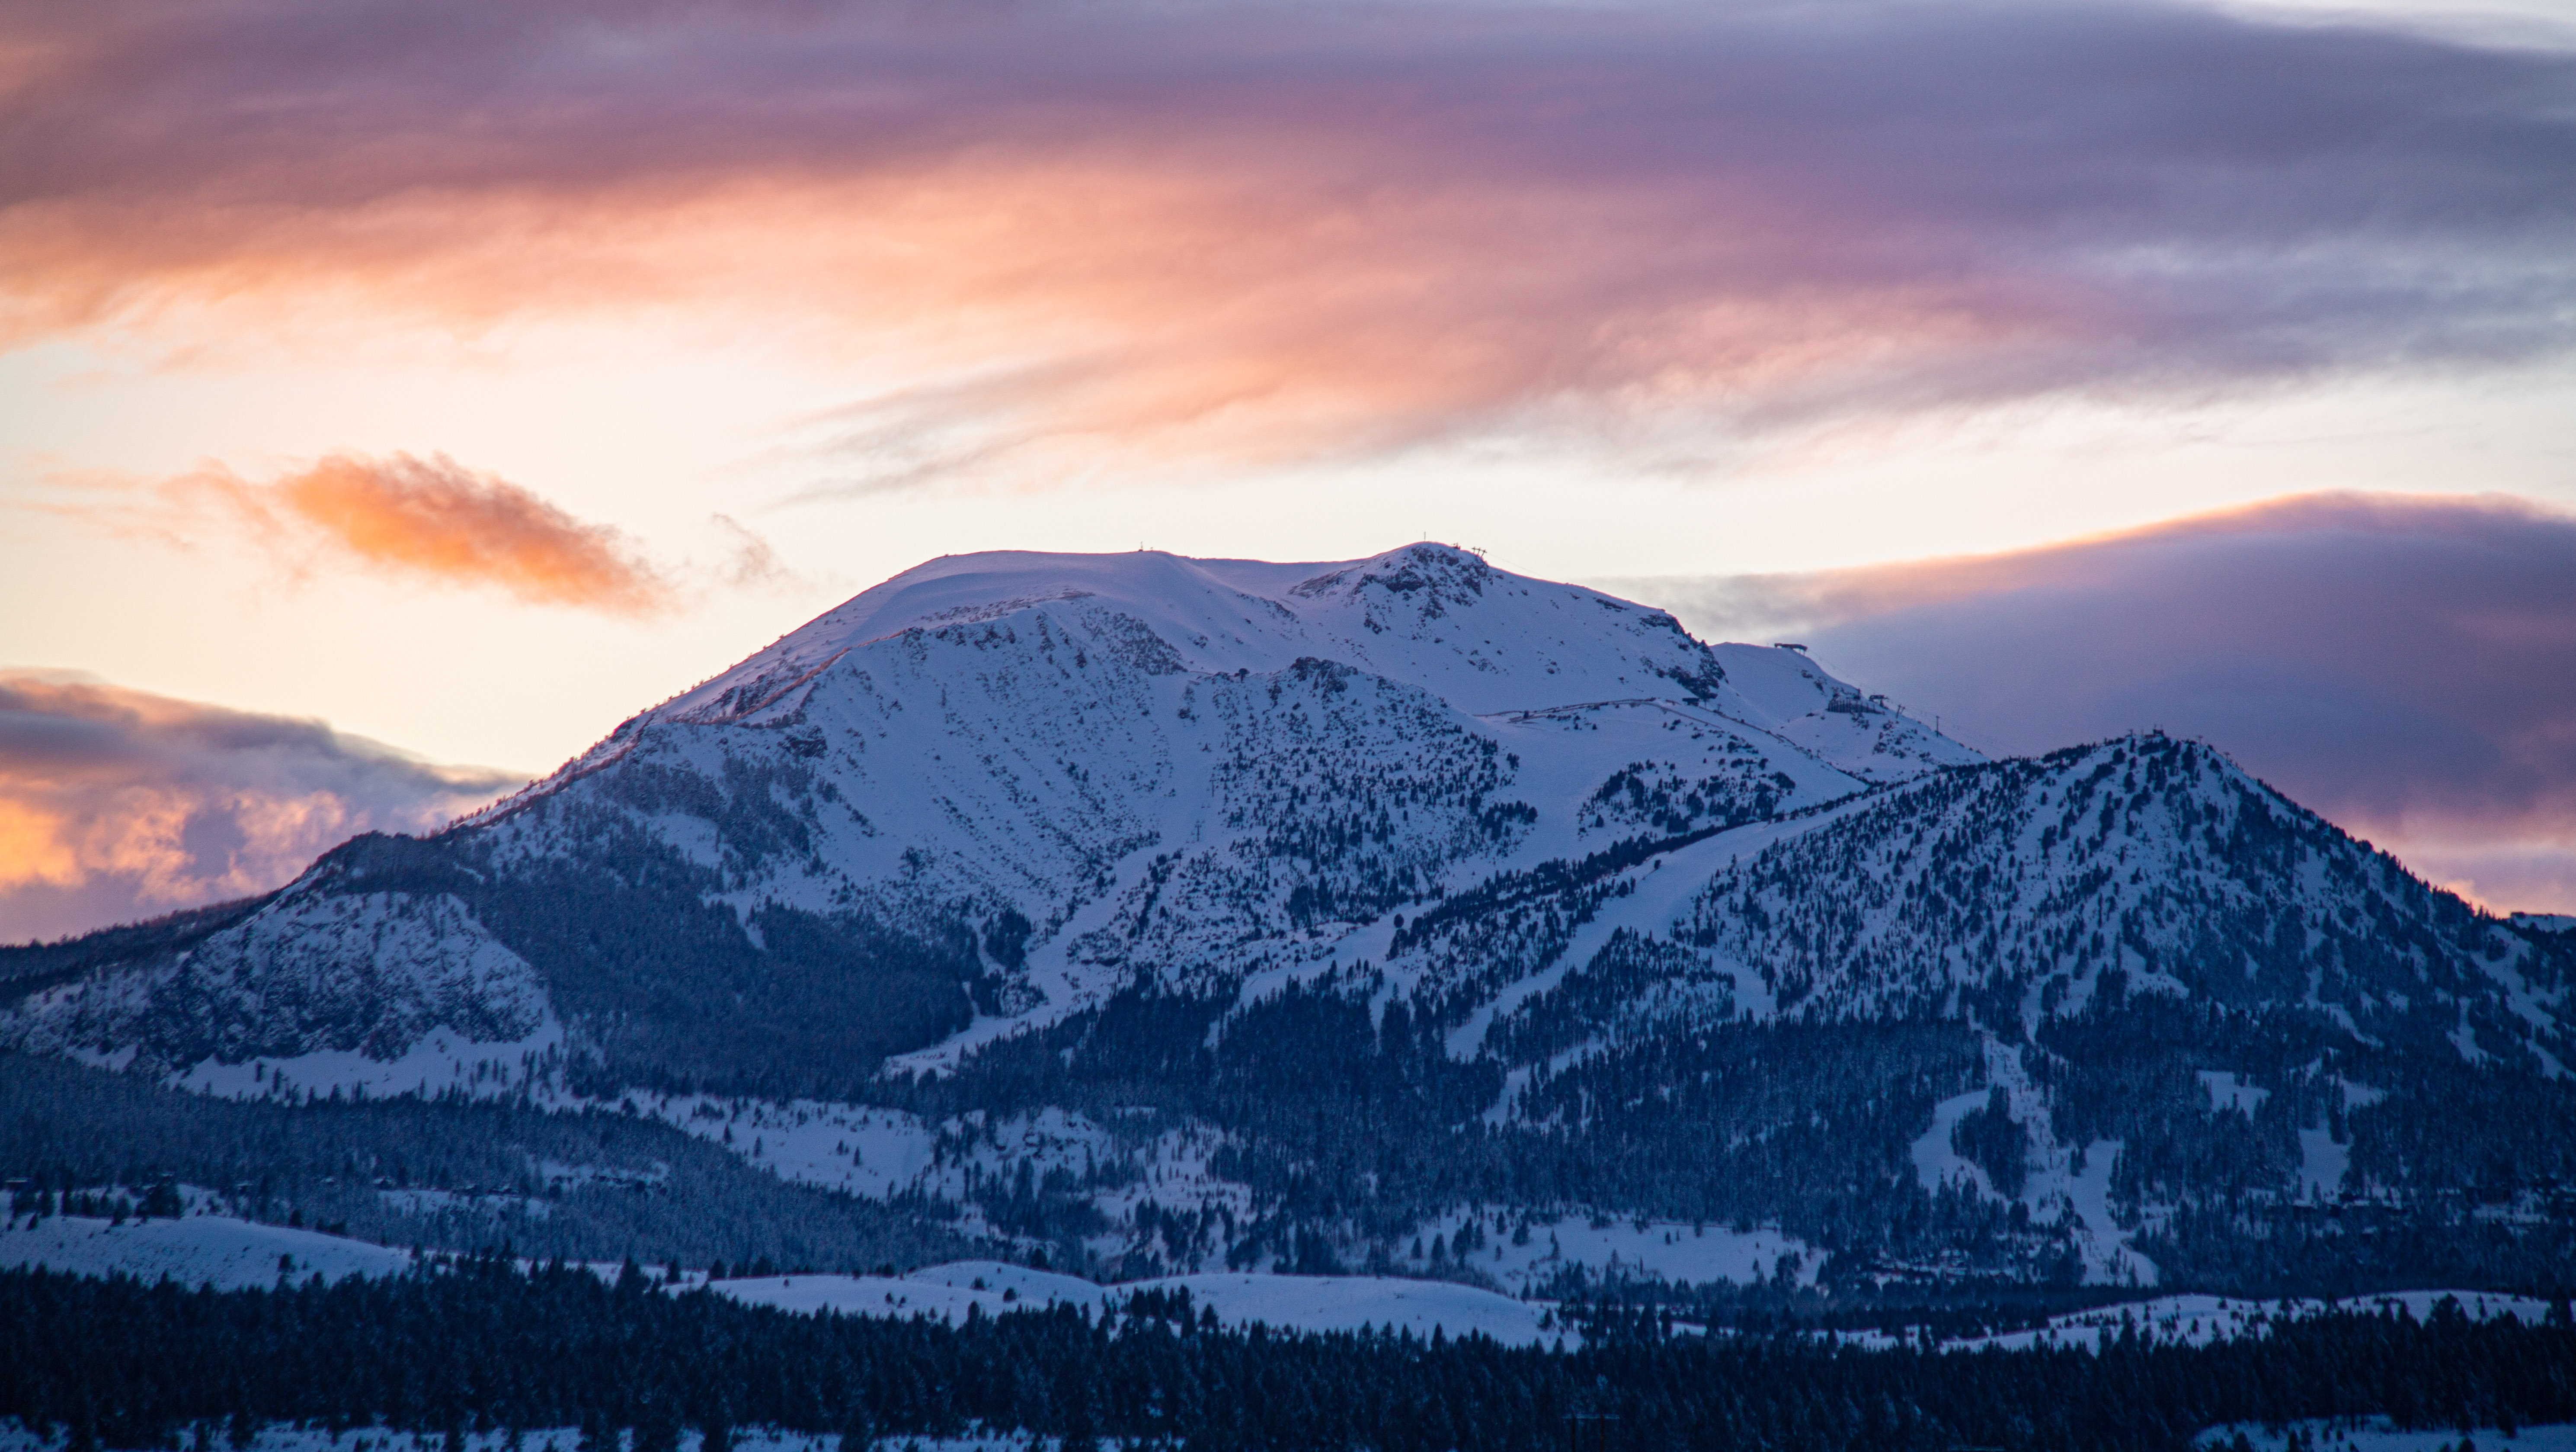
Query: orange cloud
x: 1105, y: 235
x: 435, y: 519
x: 118, y: 804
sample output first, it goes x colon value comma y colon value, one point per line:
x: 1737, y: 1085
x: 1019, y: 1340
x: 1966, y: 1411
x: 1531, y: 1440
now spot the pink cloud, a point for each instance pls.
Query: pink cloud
x: 1109, y: 233
x: 117, y: 804
x: 434, y: 519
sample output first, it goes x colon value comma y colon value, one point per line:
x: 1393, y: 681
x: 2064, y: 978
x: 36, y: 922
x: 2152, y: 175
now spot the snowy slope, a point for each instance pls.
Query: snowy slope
x: 1779, y: 690
x: 2155, y: 859
x: 195, y: 1250
x: 1427, y: 615
x: 370, y: 973
x: 1286, y: 1303
x: 2021, y: 884
x: 1352, y: 1303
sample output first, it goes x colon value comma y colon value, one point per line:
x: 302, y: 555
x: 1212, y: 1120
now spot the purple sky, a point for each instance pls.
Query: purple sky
x: 470, y: 375
x: 2406, y: 667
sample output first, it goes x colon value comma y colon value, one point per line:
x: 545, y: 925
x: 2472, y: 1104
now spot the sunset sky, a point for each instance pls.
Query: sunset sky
x: 394, y: 397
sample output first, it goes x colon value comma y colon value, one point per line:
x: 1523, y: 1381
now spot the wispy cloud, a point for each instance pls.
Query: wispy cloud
x: 118, y: 804
x: 2404, y: 665
x: 430, y: 520
x: 1245, y: 231
x: 752, y: 564
x: 435, y: 519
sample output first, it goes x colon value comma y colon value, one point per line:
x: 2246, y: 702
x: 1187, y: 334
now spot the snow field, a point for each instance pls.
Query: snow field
x: 1283, y: 1303
x: 196, y: 1250
x: 1352, y: 1303
x: 235, y: 1254
x: 230, y: 1254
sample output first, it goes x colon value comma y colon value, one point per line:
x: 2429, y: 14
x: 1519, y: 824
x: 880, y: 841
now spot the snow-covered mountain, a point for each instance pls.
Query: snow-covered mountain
x: 1012, y: 784
x: 1205, y: 911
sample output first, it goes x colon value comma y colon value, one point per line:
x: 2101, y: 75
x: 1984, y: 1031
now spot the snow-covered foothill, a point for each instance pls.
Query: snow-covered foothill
x: 2199, y: 1320
x: 194, y: 1250
x: 315, y: 973
x: 1353, y: 1303
x: 1280, y: 1302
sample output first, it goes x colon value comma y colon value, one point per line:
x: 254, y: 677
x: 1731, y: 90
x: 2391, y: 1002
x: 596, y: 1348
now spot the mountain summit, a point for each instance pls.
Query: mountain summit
x: 1169, y: 912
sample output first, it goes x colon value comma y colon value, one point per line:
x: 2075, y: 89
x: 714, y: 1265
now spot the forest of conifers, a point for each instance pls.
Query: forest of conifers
x: 482, y: 1345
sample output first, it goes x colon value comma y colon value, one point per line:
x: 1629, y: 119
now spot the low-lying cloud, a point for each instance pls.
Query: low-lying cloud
x: 1247, y: 231
x: 2404, y: 665
x: 117, y: 804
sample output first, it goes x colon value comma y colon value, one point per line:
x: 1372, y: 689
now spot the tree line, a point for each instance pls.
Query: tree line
x: 484, y: 1345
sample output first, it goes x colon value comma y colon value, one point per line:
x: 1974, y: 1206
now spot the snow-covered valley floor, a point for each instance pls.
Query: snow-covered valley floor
x: 201, y: 1248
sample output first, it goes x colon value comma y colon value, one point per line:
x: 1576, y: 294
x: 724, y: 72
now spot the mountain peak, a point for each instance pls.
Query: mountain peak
x: 1430, y: 615
x: 1440, y: 574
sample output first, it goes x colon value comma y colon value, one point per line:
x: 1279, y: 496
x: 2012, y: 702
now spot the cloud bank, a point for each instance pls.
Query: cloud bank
x: 117, y: 804
x: 1116, y: 232
x: 2404, y: 665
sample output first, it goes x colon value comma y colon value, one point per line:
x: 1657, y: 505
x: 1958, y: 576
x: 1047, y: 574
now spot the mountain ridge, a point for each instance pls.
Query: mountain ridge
x: 1345, y: 900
